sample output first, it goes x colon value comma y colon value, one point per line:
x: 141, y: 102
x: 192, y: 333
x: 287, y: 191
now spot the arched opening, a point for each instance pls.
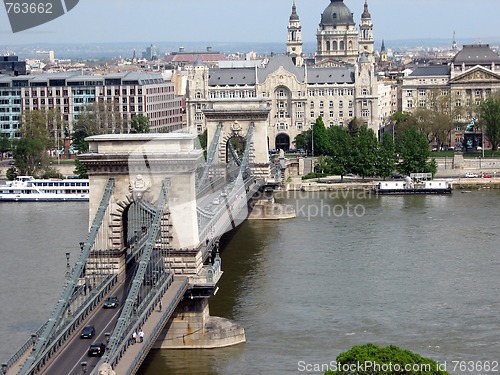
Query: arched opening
x: 282, y: 142
x: 235, y: 147
x: 342, y: 45
x: 350, y: 45
x: 135, y: 221
x: 335, y: 45
x: 328, y: 45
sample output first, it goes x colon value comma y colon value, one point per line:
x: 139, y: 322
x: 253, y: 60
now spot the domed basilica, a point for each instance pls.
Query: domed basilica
x: 338, y: 84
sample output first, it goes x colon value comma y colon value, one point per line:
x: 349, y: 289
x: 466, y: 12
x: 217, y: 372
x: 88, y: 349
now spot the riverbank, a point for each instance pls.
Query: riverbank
x: 334, y: 183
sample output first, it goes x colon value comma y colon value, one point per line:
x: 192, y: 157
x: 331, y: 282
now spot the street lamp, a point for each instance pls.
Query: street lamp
x: 67, y: 266
x: 4, y: 368
x: 84, y: 367
x: 34, y: 337
x: 107, y: 334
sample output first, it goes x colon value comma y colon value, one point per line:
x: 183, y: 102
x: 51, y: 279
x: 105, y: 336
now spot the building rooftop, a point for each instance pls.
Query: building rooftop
x: 476, y: 54
x: 425, y: 71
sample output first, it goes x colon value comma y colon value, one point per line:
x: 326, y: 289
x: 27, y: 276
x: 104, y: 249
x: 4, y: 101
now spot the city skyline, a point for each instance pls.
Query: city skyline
x: 257, y: 21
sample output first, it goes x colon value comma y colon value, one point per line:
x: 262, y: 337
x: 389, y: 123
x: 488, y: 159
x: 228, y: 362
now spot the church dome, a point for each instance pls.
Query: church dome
x: 337, y: 13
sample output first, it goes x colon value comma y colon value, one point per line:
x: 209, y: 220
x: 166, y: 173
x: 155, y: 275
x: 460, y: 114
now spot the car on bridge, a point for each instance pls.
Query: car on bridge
x: 87, y: 332
x: 96, y: 350
x: 471, y: 175
x: 111, y: 303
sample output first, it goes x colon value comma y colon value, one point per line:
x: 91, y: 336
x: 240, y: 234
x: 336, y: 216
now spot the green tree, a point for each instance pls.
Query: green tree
x: 364, y: 152
x: 5, y: 144
x: 320, y: 138
x: 304, y: 141
x: 139, y: 124
x: 386, y: 358
x: 489, y: 112
x: 80, y: 169
x: 323, y: 164
x: 31, y: 150
x: 414, y: 153
x: 339, y: 149
x: 386, y: 156
x: 11, y: 173
x: 97, y: 118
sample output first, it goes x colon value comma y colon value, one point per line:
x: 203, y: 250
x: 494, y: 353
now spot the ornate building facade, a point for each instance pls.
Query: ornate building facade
x: 340, y: 86
x: 471, y: 77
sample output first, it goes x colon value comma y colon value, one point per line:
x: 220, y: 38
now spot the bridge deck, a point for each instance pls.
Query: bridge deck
x: 136, y: 353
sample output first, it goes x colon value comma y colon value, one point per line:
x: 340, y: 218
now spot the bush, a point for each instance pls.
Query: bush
x: 388, y: 360
x: 313, y: 175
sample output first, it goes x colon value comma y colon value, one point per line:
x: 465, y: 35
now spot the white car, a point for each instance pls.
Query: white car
x: 471, y: 175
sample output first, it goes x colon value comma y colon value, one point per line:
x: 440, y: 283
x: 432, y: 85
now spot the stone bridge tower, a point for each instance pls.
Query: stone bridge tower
x: 236, y: 121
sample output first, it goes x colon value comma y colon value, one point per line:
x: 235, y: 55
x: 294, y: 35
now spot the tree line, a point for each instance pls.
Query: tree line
x: 356, y: 149
x: 45, y: 130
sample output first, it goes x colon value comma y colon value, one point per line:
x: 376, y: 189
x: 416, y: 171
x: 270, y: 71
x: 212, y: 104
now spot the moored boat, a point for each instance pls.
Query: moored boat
x: 29, y: 189
x: 417, y: 183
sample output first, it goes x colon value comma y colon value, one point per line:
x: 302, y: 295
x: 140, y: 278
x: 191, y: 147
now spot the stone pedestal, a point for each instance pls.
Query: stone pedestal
x: 191, y: 327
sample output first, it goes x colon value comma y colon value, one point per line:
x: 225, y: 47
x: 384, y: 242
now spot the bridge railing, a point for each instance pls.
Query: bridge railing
x: 93, y: 299
x: 147, y: 309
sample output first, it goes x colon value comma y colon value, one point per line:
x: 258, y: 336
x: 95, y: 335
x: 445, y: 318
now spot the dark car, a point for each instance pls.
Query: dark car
x: 96, y: 350
x: 111, y: 303
x: 87, y: 332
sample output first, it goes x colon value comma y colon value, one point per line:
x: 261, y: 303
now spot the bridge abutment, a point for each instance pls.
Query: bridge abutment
x: 192, y: 327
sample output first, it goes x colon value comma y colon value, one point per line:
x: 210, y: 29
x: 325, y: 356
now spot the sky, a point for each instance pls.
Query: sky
x: 256, y: 21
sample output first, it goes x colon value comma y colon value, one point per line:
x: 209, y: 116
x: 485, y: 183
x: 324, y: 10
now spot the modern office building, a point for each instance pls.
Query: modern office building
x: 10, y: 65
x: 124, y: 94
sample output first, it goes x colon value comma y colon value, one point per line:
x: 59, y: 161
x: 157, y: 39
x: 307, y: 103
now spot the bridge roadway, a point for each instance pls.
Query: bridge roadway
x: 227, y: 214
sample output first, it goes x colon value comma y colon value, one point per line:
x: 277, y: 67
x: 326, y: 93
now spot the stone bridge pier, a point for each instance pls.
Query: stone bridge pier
x: 139, y: 164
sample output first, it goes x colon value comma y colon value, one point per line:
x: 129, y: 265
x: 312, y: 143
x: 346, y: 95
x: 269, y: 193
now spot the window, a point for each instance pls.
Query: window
x: 341, y: 104
x: 312, y: 114
x: 330, y: 104
x: 321, y: 105
x: 311, y: 104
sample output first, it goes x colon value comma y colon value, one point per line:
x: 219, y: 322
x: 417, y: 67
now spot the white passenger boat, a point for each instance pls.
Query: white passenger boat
x: 29, y: 189
x: 417, y: 183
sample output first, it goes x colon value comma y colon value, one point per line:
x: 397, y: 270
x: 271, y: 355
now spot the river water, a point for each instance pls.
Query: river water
x: 419, y: 272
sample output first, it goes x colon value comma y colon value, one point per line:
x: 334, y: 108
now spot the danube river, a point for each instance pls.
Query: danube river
x: 419, y: 272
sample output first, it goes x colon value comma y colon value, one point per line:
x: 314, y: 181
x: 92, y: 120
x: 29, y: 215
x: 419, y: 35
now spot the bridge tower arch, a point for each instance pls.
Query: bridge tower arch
x: 139, y: 163
x: 235, y: 121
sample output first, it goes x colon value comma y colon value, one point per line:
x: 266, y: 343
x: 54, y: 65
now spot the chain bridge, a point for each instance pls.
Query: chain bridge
x: 157, y: 210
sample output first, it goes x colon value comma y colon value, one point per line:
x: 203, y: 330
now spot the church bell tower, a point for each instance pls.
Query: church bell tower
x: 294, y: 44
x: 366, y: 46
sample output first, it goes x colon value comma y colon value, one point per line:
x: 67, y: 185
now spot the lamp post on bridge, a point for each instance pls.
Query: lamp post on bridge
x: 108, y: 335
x: 4, y: 368
x: 67, y: 266
x: 34, y: 337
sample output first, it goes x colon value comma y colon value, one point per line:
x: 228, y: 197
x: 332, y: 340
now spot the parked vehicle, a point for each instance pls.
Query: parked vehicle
x: 486, y: 176
x: 471, y: 175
